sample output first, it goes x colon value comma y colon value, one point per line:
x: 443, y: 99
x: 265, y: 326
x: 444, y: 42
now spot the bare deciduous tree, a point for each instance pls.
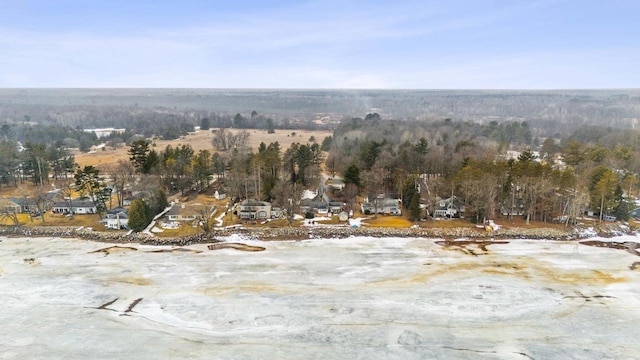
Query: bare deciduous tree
x: 206, y: 220
x: 220, y: 139
x: 121, y: 175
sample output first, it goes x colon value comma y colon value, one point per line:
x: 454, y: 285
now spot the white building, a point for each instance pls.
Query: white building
x: 105, y: 132
x: 117, y: 218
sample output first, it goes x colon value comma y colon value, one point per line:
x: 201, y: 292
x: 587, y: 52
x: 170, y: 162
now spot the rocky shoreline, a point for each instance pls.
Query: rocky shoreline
x: 303, y: 233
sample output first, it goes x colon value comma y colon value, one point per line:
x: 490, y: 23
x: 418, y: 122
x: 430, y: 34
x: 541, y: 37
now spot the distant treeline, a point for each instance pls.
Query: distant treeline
x: 554, y: 113
x: 68, y: 127
x: 506, y: 117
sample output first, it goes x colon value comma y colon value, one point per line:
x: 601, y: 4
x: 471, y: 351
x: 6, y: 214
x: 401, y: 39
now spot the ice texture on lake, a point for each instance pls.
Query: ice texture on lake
x: 356, y: 298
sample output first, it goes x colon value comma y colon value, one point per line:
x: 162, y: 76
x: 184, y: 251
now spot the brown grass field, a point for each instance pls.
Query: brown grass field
x: 92, y: 221
x: 202, y: 140
x: 387, y: 221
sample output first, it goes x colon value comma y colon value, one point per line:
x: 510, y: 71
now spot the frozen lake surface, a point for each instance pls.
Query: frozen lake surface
x: 357, y: 298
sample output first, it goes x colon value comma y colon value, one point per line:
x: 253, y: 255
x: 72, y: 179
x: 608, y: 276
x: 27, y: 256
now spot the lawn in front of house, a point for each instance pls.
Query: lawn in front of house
x: 184, y: 229
x: 50, y: 219
x: 387, y: 221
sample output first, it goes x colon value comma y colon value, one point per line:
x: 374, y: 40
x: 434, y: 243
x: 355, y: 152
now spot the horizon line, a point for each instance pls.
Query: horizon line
x: 318, y: 88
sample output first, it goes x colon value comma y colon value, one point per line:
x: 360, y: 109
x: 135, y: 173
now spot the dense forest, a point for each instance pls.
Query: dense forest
x: 591, y: 169
x: 550, y: 113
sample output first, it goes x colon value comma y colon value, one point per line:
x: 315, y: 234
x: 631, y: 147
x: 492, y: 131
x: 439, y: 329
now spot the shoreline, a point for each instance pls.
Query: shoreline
x: 293, y: 234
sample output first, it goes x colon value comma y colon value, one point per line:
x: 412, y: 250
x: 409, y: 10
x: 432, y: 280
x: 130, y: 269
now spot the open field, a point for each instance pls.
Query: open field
x: 202, y: 140
x: 387, y: 221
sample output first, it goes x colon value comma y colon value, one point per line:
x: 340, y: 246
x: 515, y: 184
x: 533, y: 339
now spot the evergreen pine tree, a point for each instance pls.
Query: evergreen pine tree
x: 139, y: 215
x: 414, y: 207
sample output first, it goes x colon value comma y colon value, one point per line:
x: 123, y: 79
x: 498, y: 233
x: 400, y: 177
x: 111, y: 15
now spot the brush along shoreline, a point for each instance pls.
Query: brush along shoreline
x: 302, y: 233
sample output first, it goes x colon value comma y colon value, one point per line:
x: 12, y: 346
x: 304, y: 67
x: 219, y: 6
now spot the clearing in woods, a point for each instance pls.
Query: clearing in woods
x: 202, y: 140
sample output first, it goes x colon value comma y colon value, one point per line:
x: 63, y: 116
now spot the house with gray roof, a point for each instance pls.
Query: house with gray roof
x: 449, y: 208
x: 185, y: 212
x: 381, y: 205
x: 26, y: 205
x: 8, y: 207
x: 116, y: 218
x: 76, y: 206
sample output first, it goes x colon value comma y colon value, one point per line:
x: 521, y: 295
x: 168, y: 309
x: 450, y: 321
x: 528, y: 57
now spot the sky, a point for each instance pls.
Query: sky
x: 376, y: 44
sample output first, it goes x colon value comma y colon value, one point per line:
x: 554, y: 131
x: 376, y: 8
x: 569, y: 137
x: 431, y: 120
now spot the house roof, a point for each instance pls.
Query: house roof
x: 335, y: 183
x: 118, y: 210
x: 450, y: 203
x: 314, y: 204
x: 76, y: 203
x: 5, y: 203
x: 308, y: 194
x: 121, y: 216
x: 319, y: 205
x: 22, y: 201
x: 53, y: 194
x: 187, y: 210
x: 253, y: 202
x: 384, y: 202
x: 138, y: 195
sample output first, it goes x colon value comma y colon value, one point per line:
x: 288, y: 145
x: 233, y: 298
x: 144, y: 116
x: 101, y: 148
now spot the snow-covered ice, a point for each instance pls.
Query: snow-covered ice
x: 356, y: 298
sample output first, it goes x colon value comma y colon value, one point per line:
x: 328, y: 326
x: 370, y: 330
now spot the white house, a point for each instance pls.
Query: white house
x: 382, y: 206
x: 105, y: 132
x: 251, y: 209
x: 336, y: 183
x: 116, y: 218
x: 449, y: 208
x: 77, y: 207
x: 335, y: 207
x: 186, y: 212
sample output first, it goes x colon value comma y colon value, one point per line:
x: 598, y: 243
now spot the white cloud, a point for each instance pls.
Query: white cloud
x: 335, y: 45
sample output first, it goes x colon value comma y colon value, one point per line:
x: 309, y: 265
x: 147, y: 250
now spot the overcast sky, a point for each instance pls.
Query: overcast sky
x: 474, y: 44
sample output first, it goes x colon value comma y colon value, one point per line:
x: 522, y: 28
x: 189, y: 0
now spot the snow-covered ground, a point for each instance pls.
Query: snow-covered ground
x: 356, y: 298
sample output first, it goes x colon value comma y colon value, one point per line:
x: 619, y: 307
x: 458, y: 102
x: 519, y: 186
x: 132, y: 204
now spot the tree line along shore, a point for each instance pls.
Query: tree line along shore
x: 476, y: 171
